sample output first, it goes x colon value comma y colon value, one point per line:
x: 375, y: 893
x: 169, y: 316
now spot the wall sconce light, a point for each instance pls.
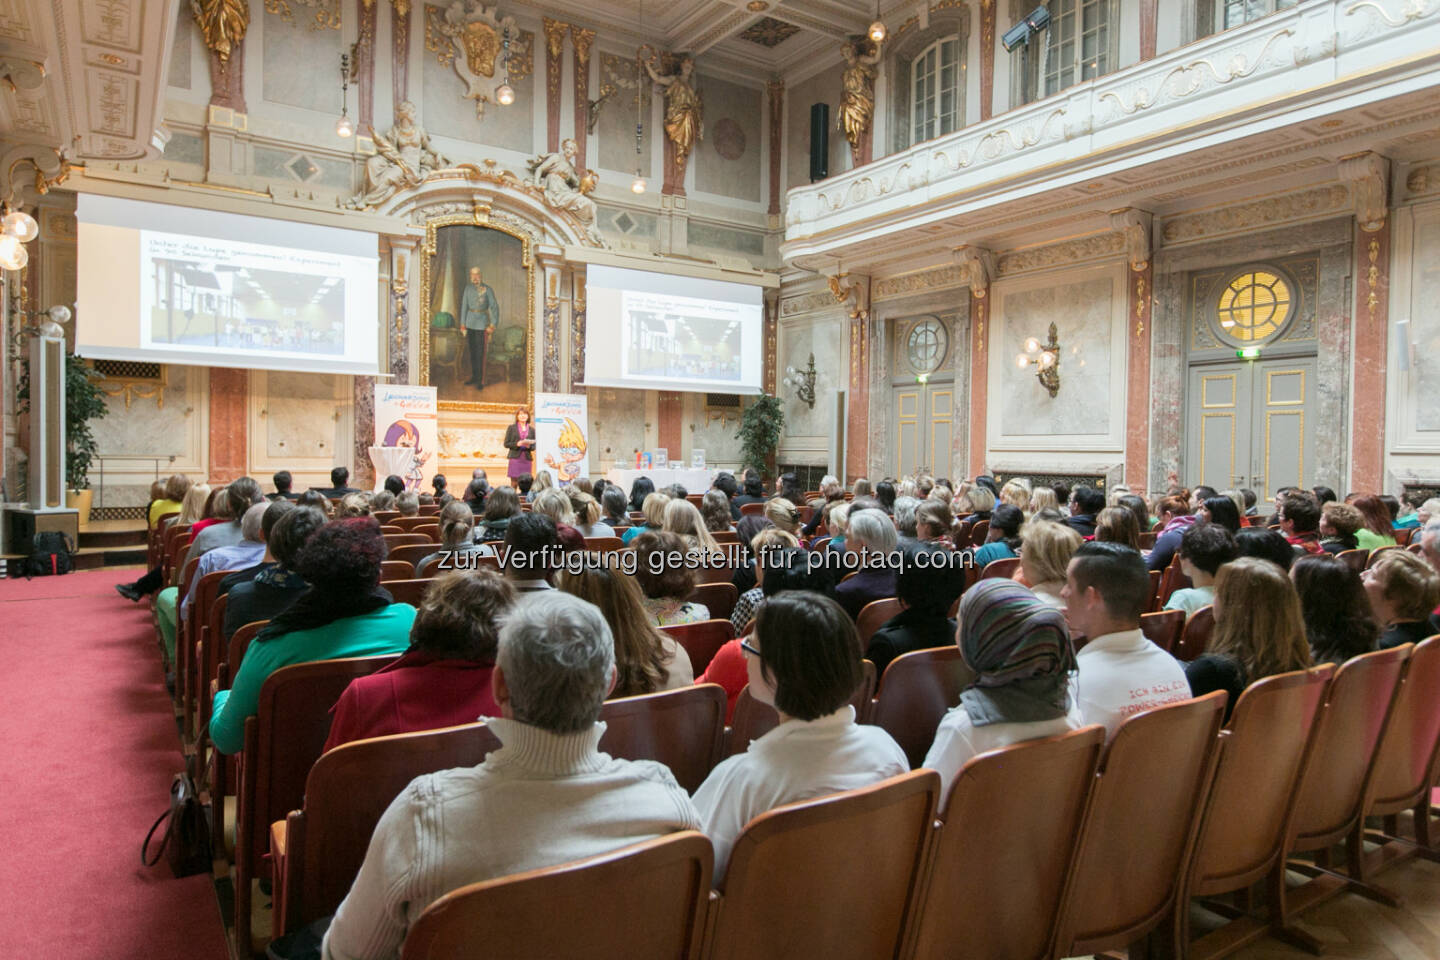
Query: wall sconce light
x: 505, y: 94
x: 803, y: 382
x: 1046, y: 356
x: 344, y: 127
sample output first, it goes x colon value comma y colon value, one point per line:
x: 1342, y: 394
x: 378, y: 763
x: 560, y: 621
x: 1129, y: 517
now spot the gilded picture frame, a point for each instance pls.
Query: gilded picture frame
x: 428, y: 290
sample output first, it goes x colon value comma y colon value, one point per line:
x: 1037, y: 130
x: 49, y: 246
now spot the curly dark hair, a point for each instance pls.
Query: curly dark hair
x: 344, y: 555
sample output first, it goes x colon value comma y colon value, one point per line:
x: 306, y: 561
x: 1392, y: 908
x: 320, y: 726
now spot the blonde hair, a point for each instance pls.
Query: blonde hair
x: 975, y: 500
x: 905, y: 488
x: 1118, y: 524
x: 772, y: 538
x: 1043, y: 498
x: 1046, y: 549
x: 783, y: 514
x: 456, y: 523
x: 1016, y: 492
x: 353, y: 505
x: 543, y: 481
x: 682, y: 517
x: 1411, y: 585
x: 1260, y: 623
x: 1113, y: 495
x: 586, y: 507
x: 192, y: 508
x: 555, y: 505
x: 654, y: 509
x: 838, y: 519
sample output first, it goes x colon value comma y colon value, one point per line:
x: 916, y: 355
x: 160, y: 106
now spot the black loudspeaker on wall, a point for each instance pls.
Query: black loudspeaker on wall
x: 819, y: 141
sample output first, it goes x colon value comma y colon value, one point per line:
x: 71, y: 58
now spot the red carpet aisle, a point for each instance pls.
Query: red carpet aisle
x: 90, y: 745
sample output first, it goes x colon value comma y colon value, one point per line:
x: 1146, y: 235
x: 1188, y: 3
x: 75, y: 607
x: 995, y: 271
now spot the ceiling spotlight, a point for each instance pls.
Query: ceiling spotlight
x: 20, y: 225
x: 505, y: 94
x: 1018, y: 35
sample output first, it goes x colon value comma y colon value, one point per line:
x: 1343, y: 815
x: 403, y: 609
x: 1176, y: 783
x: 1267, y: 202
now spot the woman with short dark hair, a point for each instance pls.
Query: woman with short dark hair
x: 444, y: 679
x: 804, y: 659
x: 641, y: 488
x: 1221, y: 510
x: 666, y: 578
x: 501, y: 507
x: 613, y: 500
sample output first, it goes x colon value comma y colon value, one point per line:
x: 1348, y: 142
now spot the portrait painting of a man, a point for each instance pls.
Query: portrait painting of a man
x: 479, y: 293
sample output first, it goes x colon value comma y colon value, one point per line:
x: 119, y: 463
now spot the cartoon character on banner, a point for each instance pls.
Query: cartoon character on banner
x: 572, y: 453
x: 402, y: 433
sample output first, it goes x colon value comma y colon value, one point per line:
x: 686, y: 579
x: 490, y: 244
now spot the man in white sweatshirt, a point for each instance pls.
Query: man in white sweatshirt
x: 1119, y: 673
x: 547, y: 797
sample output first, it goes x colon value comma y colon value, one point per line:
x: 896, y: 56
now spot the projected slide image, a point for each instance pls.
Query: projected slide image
x: 203, y: 295
x: 678, y: 338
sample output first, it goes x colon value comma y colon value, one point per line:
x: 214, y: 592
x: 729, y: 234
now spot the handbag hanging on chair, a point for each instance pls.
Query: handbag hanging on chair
x: 186, y: 844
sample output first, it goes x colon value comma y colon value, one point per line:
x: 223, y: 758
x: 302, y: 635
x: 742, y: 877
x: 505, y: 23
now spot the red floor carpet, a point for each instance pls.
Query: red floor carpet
x: 90, y: 746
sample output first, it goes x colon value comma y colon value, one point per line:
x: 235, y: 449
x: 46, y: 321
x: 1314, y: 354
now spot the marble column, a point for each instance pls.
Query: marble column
x: 775, y: 90
x: 227, y: 80
x: 772, y: 313
x: 400, y: 50
x: 857, y: 416
x: 1148, y: 12
x: 551, y: 267
x: 1137, y: 387
x: 577, y: 329
x: 672, y: 412
x: 1372, y: 310
x: 554, y: 48
x: 979, y: 376
x: 987, y: 58
x: 364, y: 400
x: 229, y: 423
x: 364, y: 66
x: 581, y: 40
x: 402, y: 260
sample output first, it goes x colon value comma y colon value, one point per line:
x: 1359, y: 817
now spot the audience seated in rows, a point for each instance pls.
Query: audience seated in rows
x: 171, y: 499
x: 547, y: 796
x: 1259, y: 630
x: 926, y: 586
x: 683, y: 519
x: 1404, y: 591
x: 804, y: 659
x: 1174, y: 519
x: 1045, y: 552
x: 245, y: 554
x: 1339, y: 523
x: 1265, y: 544
x: 647, y: 659
x: 1117, y: 525
x: 1204, y: 549
x: 667, y: 584
x: 766, y: 540
x: 343, y: 613
x: 1338, y: 620
x: 1085, y: 505
x: 274, y: 512
x: 192, y: 506
x: 1119, y: 672
x: 1020, y: 651
x: 1376, y: 530
x: 274, y: 585
x: 444, y: 678
x: 457, y: 537
x: 654, y: 511
x: 871, y: 538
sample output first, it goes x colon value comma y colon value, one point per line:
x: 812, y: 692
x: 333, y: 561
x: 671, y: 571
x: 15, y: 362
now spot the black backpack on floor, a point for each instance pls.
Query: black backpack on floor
x: 51, y: 553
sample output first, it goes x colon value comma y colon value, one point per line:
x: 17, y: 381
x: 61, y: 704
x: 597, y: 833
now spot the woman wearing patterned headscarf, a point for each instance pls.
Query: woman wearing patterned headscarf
x: 1019, y: 648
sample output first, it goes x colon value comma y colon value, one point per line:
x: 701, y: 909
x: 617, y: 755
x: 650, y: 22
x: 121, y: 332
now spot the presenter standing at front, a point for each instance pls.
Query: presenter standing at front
x: 520, y: 440
x: 479, y: 315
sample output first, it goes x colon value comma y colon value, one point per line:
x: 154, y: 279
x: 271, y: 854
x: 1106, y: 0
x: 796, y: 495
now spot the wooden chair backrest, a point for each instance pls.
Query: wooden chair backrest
x: 1357, y: 559
x: 915, y: 692
x: 408, y: 591
x: 385, y: 516
x: 393, y: 540
x: 433, y: 569
x: 702, y: 639
x: 1406, y: 760
x: 1243, y: 828
x: 187, y: 574
x: 1155, y: 577
x: 1018, y: 811
x: 207, y: 656
x: 389, y: 529
x: 1151, y: 784
x: 695, y: 498
x: 1333, y: 791
x: 396, y: 569
x: 683, y: 729
x: 431, y: 530
x: 714, y: 574
x: 430, y: 509
x: 408, y: 524
x: 1163, y: 627
x: 1173, y: 579
x: 873, y: 616
x: 978, y: 532
x: 718, y: 598
x: 726, y: 536
x: 1196, y: 635
x: 750, y: 720
x: 1003, y: 568
x: 820, y: 543
x: 235, y: 651
x: 346, y: 791
x: 1379, y: 552
x: 410, y: 555
x: 645, y: 900
x: 751, y: 509
x: 840, y: 874
x: 1404, y: 535
x: 604, y: 544
x: 187, y: 651
x: 1147, y: 540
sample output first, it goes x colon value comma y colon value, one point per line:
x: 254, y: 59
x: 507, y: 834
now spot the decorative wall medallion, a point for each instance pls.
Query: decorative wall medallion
x: 470, y: 38
x: 729, y: 139
x: 769, y: 32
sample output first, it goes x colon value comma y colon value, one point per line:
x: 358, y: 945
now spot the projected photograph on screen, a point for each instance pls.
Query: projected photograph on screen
x: 202, y: 294
x: 680, y: 338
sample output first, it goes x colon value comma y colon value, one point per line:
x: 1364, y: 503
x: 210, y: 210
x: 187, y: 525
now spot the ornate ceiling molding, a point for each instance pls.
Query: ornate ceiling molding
x: 1242, y: 217
x: 1369, y: 177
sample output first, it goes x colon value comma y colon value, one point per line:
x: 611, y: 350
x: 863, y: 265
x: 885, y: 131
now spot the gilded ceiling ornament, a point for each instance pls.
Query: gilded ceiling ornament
x: 469, y: 37
x: 222, y: 23
x: 682, y: 104
x: 857, y: 95
x: 327, y: 12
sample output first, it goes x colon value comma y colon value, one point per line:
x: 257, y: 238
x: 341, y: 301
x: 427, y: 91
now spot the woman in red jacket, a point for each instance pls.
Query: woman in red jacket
x: 443, y: 680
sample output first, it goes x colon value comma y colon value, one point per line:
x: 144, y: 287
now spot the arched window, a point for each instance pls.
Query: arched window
x: 1078, y: 45
x: 937, y: 98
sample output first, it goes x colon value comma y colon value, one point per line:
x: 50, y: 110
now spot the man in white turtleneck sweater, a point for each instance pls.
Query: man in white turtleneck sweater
x: 547, y: 797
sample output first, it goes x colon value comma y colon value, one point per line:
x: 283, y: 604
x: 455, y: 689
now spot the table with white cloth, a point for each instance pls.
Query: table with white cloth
x: 390, y: 460
x: 694, y: 481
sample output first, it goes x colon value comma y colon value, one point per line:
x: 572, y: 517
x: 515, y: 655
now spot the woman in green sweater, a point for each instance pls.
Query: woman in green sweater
x: 344, y: 613
x: 1377, y: 531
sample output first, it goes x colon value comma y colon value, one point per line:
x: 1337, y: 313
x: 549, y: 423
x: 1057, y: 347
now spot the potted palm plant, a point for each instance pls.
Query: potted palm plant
x: 759, y: 433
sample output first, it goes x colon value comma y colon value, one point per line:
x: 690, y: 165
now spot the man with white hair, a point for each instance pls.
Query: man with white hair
x: 548, y: 796
x: 830, y: 490
x: 871, y: 537
x: 247, y: 553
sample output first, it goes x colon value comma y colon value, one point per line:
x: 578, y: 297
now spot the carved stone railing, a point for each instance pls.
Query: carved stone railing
x: 1216, y: 88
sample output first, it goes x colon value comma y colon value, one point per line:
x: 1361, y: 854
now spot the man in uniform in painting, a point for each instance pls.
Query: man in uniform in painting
x: 479, y: 315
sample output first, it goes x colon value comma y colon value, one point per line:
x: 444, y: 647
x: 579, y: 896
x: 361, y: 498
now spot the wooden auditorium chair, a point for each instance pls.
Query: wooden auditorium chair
x: 683, y: 729
x: 915, y: 691
x: 1407, y: 763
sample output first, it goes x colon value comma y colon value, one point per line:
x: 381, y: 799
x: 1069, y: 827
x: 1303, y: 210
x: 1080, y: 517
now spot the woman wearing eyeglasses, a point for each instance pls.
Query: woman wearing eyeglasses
x: 804, y: 659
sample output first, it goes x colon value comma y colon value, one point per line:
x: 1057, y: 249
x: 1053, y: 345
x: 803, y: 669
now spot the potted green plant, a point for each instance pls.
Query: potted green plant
x: 759, y: 433
x: 83, y: 402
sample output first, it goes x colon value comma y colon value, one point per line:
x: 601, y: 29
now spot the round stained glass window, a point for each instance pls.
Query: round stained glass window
x: 926, y: 345
x: 1254, y: 307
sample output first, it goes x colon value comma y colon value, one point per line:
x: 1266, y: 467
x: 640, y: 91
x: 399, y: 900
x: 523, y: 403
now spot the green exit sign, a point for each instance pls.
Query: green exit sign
x: 1248, y: 353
